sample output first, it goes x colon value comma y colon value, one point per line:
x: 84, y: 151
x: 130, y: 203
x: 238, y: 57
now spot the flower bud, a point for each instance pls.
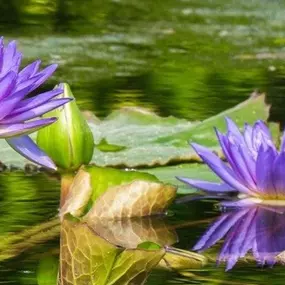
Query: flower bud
x: 69, y: 141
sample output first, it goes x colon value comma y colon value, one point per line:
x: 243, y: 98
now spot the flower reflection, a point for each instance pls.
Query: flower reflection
x: 257, y: 229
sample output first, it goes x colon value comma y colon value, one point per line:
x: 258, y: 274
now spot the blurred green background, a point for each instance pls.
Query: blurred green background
x: 188, y: 58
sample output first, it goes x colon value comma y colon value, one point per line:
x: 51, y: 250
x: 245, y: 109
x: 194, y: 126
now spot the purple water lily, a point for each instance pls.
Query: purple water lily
x: 19, y: 115
x: 254, y: 168
x: 254, y: 229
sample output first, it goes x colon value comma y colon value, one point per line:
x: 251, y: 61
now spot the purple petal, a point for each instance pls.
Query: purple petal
x: 12, y: 130
x: 29, y: 83
x: 29, y: 71
x: 7, y: 84
x: 224, y: 142
x: 264, y: 167
x: 8, y: 55
x: 278, y: 174
x: 234, y: 130
x: 36, y: 112
x: 243, y: 155
x: 248, y: 137
x: 239, y: 166
x: 44, y: 75
x: 249, y: 162
x: 261, y: 136
x: 11, y: 101
x: 220, y: 168
x: 25, y: 146
x: 35, y: 101
x: 1, y: 52
x: 206, y: 185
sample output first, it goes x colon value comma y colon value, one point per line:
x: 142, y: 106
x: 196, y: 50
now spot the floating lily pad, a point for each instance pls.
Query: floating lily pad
x: 134, y: 137
x: 114, y: 194
x: 106, y: 147
x: 151, y: 140
x: 168, y: 174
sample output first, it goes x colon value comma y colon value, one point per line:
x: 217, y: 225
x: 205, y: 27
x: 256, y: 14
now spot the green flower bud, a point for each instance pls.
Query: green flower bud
x: 69, y: 141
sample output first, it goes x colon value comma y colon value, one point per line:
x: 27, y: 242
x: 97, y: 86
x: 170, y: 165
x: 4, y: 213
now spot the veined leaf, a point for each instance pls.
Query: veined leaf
x: 129, y: 233
x: 113, y: 193
x: 136, y: 199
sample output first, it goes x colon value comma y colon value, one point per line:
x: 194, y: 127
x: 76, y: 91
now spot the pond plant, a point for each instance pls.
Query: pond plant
x: 254, y: 168
x: 19, y: 113
x: 252, y: 190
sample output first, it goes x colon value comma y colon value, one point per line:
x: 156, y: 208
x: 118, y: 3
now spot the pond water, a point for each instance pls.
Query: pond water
x: 188, y: 58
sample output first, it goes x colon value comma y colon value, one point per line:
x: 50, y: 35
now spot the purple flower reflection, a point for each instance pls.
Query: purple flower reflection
x: 254, y: 168
x: 259, y: 230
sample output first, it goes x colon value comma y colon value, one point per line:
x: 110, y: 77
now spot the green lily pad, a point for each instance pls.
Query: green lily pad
x: 168, y: 174
x: 151, y: 140
x: 134, y: 137
x: 106, y: 147
x: 114, y: 194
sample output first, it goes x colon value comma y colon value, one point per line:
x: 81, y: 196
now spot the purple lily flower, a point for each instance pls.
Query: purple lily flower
x: 259, y: 230
x: 254, y: 168
x: 19, y: 115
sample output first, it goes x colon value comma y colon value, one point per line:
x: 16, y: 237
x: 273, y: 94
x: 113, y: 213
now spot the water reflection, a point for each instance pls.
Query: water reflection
x: 119, y: 252
x: 258, y: 230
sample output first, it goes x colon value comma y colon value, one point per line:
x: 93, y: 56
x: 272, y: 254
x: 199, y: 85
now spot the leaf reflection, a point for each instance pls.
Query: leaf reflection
x: 258, y: 229
x: 87, y: 258
x: 131, y: 232
x: 103, y: 251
